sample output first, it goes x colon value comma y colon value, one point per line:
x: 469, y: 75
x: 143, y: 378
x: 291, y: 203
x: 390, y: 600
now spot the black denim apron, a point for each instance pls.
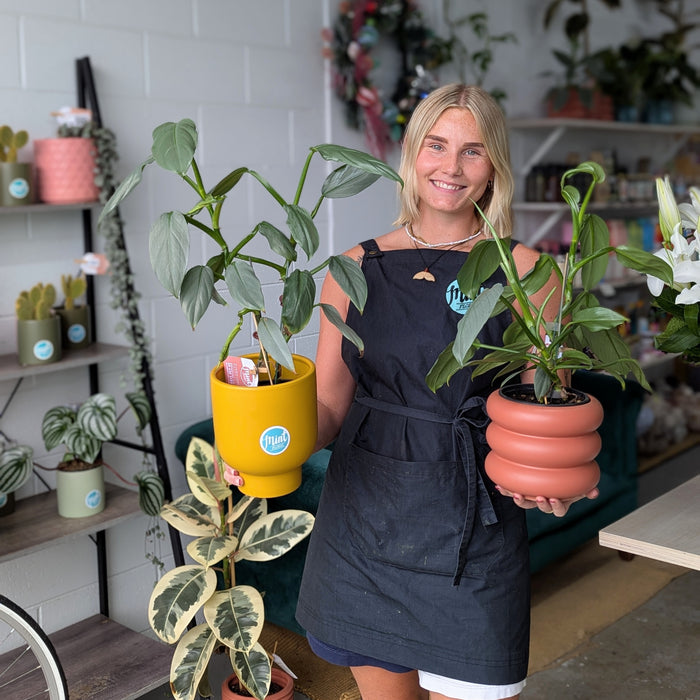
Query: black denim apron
x: 415, y: 558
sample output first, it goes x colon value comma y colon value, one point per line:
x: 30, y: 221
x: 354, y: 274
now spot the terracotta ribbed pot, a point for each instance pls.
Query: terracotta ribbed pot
x: 543, y: 450
x: 284, y: 680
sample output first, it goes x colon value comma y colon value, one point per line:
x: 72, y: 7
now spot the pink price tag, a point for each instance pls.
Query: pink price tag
x: 240, y: 371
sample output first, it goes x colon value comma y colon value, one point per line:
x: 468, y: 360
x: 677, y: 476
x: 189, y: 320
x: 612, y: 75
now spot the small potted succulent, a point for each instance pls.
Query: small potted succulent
x: 82, y: 431
x: 225, y: 532
x: 75, y: 319
x: 266, y: 432
x: 16, y: 182
x: 582, y: 335
x: 38, y: 327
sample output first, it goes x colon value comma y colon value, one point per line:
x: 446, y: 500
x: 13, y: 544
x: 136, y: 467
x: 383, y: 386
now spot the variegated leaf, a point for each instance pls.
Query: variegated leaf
x: 246, y: 512
x: 236, y: 615
x: 176, y: 598
x: 15, y: 467
x: 81, y: 445
x: 191, y: 517
x: 253, y: 670
x: 208, y: 491
x: 190, y: 661
x: 209, y: 551
x: 141, y: 407
x: 54, y: 425
x: 274, y: 534
x: 98, y: 417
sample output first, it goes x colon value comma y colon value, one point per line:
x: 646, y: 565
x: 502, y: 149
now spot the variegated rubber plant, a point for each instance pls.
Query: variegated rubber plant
x: 233, y: 615
x: 84, y: 430
x: 173, y: 149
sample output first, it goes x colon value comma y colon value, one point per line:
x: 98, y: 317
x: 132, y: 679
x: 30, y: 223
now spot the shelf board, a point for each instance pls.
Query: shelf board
x: 602, y: 125
x: 611, y: 207
x: 41, y: 208
x: 103, y: 659
x: 36, y: 525
x: 97, y: 352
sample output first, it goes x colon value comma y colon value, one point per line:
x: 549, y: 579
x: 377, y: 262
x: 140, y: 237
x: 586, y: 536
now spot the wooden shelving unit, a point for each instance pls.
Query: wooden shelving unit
x: 101, y: 658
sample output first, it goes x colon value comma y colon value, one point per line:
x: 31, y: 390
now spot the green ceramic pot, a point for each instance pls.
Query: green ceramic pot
x: 75, y: 327
x: 39, y: 341
x: 16, y: 184
x: 80, y: 494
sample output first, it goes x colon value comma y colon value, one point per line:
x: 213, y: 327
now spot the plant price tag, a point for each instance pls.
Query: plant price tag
x: 240, y: 371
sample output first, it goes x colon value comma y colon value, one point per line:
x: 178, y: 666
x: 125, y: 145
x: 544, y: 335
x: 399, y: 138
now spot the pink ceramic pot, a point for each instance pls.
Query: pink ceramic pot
x: 65, y: 170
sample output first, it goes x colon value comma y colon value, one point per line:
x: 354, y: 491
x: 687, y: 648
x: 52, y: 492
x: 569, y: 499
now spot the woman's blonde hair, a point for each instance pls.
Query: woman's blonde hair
x: 496, y: 202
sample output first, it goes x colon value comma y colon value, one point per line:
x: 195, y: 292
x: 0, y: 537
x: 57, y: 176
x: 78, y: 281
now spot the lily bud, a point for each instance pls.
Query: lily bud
x: 669, y: 215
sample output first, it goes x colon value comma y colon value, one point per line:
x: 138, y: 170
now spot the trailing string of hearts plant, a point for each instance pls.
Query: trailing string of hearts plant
x: 360, y: 26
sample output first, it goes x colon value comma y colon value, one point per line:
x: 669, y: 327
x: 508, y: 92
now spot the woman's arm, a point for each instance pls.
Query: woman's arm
x: 334, y: 383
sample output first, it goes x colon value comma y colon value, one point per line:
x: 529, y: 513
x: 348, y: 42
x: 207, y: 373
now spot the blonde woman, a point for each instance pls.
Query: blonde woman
x: 417, y: 575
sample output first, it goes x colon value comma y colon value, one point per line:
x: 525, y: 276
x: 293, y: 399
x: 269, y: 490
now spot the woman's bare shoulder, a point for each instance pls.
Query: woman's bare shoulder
x: 525, y: 257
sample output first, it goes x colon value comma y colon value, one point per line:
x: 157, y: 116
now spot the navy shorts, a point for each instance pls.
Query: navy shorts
x: 342, y: 657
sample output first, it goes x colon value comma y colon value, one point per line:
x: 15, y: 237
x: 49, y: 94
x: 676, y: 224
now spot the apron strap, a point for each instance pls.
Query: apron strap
x: 470, y: 418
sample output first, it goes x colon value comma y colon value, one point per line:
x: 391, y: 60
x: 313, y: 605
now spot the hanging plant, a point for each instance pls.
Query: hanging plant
x: 360, y: 26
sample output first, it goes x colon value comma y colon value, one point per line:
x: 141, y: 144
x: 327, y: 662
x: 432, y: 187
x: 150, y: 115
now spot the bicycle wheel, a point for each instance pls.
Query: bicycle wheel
x: 29, y: 665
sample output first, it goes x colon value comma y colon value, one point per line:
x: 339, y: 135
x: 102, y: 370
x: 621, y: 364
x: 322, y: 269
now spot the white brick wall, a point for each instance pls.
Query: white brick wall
x: 250, y: 73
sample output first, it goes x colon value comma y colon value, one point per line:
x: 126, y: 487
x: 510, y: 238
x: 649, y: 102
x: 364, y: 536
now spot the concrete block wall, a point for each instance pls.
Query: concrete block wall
x: 250, y: 73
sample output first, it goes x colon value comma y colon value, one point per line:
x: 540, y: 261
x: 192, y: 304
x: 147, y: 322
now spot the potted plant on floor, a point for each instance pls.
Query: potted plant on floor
x: 583, y: 335
x: 38, y: 327
x: 225, y: 532
x: 82, y: 431
x: 75, y: 319
x: 269, y: 431
x: 16, y: 185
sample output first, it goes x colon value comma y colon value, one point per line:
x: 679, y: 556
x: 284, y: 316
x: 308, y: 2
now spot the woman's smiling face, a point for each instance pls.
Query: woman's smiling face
x: 452, y: 167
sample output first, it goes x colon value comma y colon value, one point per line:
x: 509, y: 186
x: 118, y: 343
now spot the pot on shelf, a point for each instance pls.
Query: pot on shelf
x: 75, y: 327
x: 543, y: 450
x: 16, y: 184
x: 39, y: 341
x: 65, y: 170
x: 230, y: 687
x: 267, y: 432
x: 80, y: 489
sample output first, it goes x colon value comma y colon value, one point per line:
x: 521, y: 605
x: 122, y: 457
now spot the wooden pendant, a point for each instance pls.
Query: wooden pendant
x: 424, y: 275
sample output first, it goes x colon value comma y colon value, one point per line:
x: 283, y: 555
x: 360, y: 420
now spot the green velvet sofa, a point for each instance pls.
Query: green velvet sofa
x: 550, y: 537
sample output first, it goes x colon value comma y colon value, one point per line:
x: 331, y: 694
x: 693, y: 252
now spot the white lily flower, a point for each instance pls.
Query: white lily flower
x: 678, y: 256
x: 690, y: 213
x: 669, y: 215
x: 689, y: 296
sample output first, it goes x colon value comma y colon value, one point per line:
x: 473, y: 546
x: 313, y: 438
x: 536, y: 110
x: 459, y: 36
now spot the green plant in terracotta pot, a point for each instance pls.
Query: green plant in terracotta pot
x: 75, y: 318
x: 38, y: 327
x: 224, y: 532
x: 16, y: 181
x: 287, y: 425
x: 82, y: 431
x: 568, y: 332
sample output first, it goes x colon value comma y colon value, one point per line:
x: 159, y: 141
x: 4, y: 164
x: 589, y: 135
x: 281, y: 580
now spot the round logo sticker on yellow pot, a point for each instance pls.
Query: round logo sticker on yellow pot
x: 275, y: 440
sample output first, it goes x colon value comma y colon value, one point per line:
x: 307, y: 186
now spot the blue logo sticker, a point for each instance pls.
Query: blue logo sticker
x: 76, y: 333
x: 43, y: 350
x: 456, y: 300
x: 19, y: 188
x: 93, y: 499
x: 275, y: 440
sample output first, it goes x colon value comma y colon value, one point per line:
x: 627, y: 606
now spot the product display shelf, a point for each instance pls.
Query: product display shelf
x: 93, y: 354
x: 100, y: 657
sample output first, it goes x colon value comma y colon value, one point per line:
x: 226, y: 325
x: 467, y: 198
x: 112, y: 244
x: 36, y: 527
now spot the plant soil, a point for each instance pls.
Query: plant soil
x: 77, y: 465
x: 526, y: 393
x: 234, y: 687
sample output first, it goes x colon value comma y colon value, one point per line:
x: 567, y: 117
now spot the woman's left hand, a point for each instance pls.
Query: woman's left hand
x: 555, y: 506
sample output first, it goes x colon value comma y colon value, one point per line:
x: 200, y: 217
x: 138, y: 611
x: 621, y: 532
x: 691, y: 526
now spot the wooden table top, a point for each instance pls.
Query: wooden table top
x: 667, y: 528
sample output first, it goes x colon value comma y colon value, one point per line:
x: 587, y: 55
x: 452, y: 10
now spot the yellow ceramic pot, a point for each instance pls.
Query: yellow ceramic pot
x: 267, y: 432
